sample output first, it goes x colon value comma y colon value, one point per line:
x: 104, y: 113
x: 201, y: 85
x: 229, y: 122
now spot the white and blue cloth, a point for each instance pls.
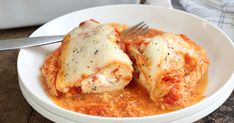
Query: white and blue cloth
x: 219, y: 12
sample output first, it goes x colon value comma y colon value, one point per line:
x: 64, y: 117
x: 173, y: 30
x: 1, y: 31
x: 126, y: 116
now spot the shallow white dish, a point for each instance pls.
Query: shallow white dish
x: 219, y: 47
x: 41, y: 110
x: 188, y: 119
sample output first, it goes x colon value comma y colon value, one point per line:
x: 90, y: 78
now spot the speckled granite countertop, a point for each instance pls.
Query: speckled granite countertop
x: 15, y: 109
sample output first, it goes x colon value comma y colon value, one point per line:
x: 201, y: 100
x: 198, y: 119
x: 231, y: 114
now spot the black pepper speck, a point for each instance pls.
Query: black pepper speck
x: 96, y: 51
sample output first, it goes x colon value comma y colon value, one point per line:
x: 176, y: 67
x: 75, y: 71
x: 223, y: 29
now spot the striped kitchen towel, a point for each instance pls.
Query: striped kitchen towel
x: 219, y: 12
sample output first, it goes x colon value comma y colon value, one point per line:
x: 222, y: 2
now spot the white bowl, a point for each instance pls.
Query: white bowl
x: 219, y: 46
x: 40, y: 109
x: 187, y: 119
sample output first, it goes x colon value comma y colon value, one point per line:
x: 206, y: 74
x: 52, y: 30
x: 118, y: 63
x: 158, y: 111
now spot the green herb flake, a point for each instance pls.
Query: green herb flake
x: 94, y: 88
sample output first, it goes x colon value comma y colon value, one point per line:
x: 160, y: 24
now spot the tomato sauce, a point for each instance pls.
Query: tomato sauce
x: 133, y: 101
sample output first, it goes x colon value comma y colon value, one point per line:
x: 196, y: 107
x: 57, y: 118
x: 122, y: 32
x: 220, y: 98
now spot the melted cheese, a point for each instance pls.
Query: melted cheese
x: 154, y: 53
x: 91, y: 47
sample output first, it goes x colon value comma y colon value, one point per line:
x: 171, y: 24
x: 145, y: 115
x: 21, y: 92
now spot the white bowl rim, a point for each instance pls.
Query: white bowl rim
x: 227, y: 84
x: 64, y: 118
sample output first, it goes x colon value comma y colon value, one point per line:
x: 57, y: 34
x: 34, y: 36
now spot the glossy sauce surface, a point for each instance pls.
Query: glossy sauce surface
x: 133, y: 101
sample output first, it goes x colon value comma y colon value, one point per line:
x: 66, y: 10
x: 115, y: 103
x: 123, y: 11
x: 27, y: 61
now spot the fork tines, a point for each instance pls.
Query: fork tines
x: 138, y: 29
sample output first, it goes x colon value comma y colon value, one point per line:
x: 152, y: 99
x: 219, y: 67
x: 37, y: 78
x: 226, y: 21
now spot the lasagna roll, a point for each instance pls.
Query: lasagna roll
x: 90, y: 58
x: 169, y: 66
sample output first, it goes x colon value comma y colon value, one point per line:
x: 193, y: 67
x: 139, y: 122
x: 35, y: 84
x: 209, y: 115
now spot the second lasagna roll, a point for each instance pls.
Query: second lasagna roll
x: 170, y: 67
x: 92, y: 59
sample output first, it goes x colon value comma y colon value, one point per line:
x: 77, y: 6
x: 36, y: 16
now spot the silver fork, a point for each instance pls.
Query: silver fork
x: 20, y: 43
x: 138, y: 29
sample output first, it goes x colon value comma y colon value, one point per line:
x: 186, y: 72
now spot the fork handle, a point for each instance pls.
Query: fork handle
x: 20, y: 43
